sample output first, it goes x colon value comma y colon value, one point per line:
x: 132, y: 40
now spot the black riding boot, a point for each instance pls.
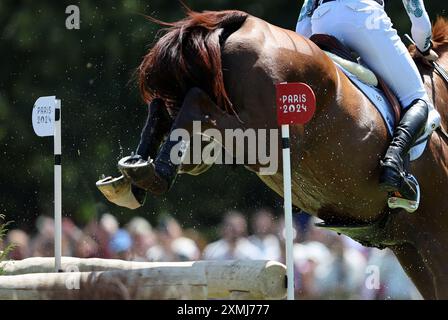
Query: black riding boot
x: 393, y: 175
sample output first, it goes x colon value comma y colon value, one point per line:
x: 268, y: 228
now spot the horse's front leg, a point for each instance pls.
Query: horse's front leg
x: 157, y: 176
x: 157, y: 125
x: 120, y: 190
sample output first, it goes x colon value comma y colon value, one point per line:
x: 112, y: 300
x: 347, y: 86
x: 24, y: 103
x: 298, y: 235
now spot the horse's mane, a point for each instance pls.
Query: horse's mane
x: 189, y: 55
x: 439, y: 37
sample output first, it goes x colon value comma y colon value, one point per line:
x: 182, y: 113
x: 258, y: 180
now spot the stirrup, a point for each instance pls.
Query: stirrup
x: 396, y: 201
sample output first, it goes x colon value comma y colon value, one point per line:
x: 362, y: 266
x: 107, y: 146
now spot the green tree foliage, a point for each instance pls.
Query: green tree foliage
x: 4, y: 250
x: 91, y: 70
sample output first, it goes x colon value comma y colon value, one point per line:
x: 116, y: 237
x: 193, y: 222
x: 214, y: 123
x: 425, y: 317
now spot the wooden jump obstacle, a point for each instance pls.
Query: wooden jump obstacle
x: 35, y: 279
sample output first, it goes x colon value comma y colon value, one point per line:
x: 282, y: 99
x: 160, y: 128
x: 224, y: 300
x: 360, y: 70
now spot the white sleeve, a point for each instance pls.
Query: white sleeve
x: 303, y: 26
x: 421, y: 23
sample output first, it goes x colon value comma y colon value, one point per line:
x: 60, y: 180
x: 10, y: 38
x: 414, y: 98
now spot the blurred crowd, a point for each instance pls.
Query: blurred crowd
x: 327, y: 266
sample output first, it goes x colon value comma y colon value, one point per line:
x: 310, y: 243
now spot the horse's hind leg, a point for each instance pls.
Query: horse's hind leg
x: 416, y: 269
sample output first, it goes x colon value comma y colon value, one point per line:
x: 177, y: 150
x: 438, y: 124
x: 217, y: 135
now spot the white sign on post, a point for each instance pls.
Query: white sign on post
x: 46, y: 118
x: 43, y: 116
x: 296, y: 104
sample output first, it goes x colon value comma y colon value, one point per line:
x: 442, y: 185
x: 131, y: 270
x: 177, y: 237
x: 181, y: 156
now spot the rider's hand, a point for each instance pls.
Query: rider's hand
x: 429, y: 55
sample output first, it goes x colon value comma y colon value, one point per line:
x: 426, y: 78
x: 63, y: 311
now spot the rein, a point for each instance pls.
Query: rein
x: 443, y: 132
x: 442, y: 73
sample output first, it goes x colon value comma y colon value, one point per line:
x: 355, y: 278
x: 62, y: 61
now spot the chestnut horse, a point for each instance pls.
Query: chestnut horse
x: 221, y: 68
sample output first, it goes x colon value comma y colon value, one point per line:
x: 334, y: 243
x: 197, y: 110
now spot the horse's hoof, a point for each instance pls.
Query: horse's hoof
x: 142, y: 173
x: 121, y: 192
x: 134, y: 167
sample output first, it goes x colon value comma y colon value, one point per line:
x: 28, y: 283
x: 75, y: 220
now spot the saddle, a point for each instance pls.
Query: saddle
x: 338, y: 52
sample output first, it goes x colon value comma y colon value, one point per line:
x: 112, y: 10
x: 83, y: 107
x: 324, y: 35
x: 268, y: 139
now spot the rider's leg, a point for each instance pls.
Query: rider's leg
x: 366, y: 28
x: 409, y: 129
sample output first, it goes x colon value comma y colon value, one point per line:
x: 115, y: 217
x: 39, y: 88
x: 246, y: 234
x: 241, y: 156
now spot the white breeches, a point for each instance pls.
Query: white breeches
x: 365, y: 27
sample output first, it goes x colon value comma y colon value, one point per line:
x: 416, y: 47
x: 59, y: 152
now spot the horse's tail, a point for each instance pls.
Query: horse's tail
x: 189, y: 55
